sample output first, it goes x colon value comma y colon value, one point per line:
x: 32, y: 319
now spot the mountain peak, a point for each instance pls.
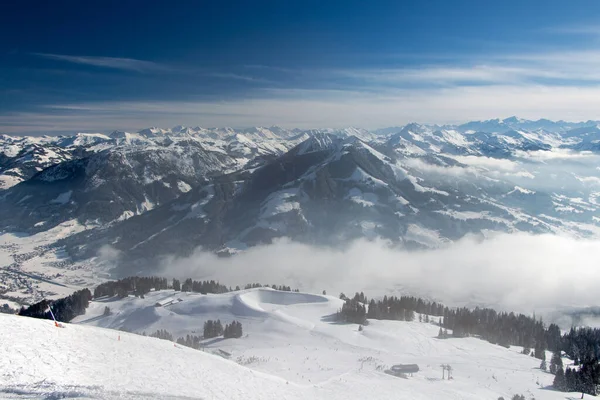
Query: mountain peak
x: 513, y: 120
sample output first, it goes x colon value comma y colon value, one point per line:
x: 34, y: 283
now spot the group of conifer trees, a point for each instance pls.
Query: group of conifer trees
x: 136, y: 285
x: 64, y: 309
x: 211, y: 329
x: 215, y: 328
x: 233, y: 330
x: 140, y: 286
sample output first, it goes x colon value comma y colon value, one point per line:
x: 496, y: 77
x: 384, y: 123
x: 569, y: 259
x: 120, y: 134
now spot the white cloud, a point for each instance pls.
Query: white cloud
x: 500, y: 69
x: 237, y: 77
x: 488, y: 162
x: 436, y: 169
x: 554, y: 154
x: 592, y: 180
x: 479, y: 73
x: 129, y: 64
x: 519, y: 272
x: 108, y: 253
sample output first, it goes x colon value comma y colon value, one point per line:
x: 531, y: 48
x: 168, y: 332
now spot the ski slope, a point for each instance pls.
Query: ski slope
x: 86, y: 362
x: 291, y: 348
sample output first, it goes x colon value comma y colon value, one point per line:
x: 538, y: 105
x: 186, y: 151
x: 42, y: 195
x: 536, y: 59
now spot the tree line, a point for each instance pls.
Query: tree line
x: 140, y: 286
x: 583, y: 347
x: 136, y: 285
x: 586, y: 379
x: 283, y: 288
x: 499, y: 328
x: 64, y: 309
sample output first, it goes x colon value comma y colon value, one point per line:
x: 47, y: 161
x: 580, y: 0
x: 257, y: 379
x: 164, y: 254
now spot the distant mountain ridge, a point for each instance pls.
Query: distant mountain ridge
x: 167, y: 191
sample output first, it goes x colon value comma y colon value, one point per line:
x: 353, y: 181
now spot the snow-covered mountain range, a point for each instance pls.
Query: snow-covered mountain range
x: 158, y: 192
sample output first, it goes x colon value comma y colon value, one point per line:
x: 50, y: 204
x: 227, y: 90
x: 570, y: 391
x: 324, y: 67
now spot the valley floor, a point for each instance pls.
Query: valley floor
x: 32, y: 268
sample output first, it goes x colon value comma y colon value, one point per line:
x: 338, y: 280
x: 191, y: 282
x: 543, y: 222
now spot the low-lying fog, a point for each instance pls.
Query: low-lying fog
x: 517, y: 272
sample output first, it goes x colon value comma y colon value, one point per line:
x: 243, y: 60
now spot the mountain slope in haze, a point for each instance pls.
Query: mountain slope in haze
x: 317, y: 193
x: 331, y: 190
x: 100, y: 179
x: 23, y: 157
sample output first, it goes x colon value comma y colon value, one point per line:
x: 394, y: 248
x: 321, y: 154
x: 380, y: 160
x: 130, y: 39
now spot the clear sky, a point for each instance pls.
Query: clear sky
x: 72, y: 66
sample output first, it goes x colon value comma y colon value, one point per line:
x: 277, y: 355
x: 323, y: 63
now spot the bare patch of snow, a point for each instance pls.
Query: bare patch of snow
x: 183, y: 187
x: 279, y: 202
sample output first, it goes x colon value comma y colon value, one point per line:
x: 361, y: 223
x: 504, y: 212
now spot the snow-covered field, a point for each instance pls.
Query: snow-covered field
x: 291, y: 348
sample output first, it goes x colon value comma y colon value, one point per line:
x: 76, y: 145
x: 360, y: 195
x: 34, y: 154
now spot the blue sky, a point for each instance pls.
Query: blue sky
x: 68, y: 67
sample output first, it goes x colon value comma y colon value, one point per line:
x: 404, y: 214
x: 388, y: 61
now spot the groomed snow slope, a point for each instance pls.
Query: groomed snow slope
x: 293, y: 336
x: 86, y: 362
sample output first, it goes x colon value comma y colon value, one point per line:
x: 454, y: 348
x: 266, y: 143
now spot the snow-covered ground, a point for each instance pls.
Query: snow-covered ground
x: 31, y: 269
x: 291, y: 349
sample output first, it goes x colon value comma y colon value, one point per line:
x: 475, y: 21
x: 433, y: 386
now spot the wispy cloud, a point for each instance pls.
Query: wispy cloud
x: 544, y: 84
x: 237, y: 77
x: 592, y: 30
x: 131, y: 64
x: 127, y: 64
x: 575, y: 67
x: 564, y: 67
x: 322, y: 108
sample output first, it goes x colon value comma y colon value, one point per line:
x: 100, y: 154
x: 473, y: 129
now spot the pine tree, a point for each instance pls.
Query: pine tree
x: 227, y: 331
x: 588, y: 378
x: 555, y: 362
x: 218, y: 328
x: 569, y: 380
x: 559, y: 380
x: 208, y: 329
x: 543, y: 365
x: 540, y: 351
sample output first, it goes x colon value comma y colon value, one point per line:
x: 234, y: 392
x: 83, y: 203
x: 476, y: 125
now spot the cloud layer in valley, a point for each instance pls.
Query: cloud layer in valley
x: 520, y: 272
